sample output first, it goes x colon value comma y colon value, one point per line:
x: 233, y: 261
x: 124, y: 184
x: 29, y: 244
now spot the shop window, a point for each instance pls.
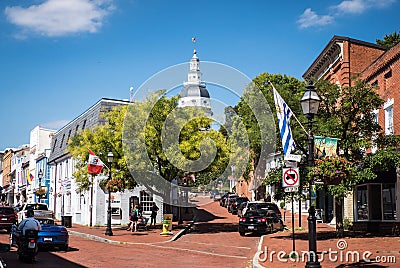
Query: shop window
x: 362, y: 203
x: 389, y: 201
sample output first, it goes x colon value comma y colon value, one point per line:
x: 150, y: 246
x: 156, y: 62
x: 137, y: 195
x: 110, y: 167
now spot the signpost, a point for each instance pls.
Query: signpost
x: 291, y: 183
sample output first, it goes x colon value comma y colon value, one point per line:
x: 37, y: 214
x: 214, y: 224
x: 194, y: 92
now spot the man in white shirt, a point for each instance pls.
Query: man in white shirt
x: 29, y: 223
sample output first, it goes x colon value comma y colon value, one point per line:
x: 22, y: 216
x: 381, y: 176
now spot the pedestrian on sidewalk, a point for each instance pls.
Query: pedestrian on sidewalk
x: 153, y: 216
x: 130, y: 223
x: 133, y: 219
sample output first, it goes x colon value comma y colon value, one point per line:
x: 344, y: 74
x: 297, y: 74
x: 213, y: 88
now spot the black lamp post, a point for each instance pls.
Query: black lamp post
x: 310, y: 104
x: 110, y: 158
x: 40, y: 176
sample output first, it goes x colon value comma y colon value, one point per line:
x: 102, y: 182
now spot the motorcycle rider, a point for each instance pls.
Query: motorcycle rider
x: 29, y: 223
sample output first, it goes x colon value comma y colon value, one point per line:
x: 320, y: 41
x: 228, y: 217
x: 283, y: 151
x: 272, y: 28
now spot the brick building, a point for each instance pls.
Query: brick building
x: 372, y: 206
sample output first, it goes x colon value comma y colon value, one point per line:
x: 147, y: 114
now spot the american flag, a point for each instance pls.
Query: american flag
x: 284, y: 113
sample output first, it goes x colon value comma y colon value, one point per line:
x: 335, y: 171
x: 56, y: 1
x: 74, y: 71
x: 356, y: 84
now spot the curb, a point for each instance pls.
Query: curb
x: 181, y: 232
x: 256, y: 257
x: 106, y: 240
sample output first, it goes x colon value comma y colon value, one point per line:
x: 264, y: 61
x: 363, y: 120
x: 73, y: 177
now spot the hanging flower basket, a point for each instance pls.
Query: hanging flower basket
x: 41, y: 192
x: 332, y: 170
x: 112, y: 185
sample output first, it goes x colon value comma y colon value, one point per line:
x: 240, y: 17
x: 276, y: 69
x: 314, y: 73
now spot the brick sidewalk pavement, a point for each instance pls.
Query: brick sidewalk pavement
x: 383, y: 251
x: 121, y: 235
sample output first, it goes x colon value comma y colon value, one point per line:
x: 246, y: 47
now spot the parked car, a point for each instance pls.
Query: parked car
x: 40, y: 210
x: 8, y: 217
x: 240, y: 209
x: 260, y: 221
x: 233, y: 206
x: 261, y: 205
x: 223, y: 199
x: 50, y: 236
x: 217, y: 197
x: 213, y: 193
x: 226, y: 199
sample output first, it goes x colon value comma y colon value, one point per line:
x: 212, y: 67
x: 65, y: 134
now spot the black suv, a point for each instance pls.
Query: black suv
x: 233, y: 206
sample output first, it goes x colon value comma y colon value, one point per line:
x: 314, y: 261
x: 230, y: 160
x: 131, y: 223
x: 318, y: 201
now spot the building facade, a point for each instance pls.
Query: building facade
x: 372, y: 206
x: 89, y: 207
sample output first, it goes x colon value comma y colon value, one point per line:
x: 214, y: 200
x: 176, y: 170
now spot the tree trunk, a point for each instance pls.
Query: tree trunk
x: 339, y: 217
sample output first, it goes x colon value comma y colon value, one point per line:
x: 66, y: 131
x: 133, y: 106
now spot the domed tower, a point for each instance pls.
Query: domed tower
x: 194, y: 92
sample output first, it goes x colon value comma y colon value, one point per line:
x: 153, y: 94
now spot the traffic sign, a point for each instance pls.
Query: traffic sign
x: 290, y: 177
x: 291, y: 189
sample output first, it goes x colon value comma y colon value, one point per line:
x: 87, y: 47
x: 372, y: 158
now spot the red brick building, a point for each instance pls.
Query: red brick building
x: 372, y: 206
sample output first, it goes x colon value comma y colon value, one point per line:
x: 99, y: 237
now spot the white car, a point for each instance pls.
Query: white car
x: 40, y: 210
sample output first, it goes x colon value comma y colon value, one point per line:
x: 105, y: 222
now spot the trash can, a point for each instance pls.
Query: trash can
x: 66, y: 221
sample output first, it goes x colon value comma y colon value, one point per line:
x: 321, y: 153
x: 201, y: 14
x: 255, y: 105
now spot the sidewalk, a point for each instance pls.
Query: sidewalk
x: 122, y: 236
x: 349, y: 251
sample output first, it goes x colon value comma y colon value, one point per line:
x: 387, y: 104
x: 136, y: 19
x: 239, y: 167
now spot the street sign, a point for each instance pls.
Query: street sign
x: 292, y: 157
x: 291, y: 189
x: 290, y: 177
x: 290, y: 164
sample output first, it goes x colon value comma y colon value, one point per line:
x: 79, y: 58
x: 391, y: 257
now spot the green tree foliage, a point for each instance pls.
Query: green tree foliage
x: 101, y: 139
x: 152, y: 123
x: 389, y: 40
x: 249, y: 107
x: 347, y: 114
x: 177, y: 141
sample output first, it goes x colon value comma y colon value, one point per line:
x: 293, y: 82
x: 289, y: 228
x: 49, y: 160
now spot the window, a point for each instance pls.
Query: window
x: 54, y: 145
x: 376, y: 202
x: 146, y: 201
x: 362, y: 203
x: 62, y: 140
x: 389, y: 117
x: 69, y: 135
x: 84, y: 125
x: 389, y: 201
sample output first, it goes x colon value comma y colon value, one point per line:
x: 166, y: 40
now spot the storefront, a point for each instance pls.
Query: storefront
x: 375, y: 204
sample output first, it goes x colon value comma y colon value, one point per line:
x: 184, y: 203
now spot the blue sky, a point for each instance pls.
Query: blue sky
x: 59, y: 57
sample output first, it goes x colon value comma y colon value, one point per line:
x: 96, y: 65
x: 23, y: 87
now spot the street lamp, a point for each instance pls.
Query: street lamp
x: 310, y: 104
x: 40, y: 176
x: 110, y: 158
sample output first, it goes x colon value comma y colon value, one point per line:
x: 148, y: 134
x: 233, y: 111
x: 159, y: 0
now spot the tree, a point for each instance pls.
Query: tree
x: 153, y: 143
x: 389, y: 40
x: 101, y: 139
x: 163, y: 143
x: 347, y: 114
x: 258, y: 116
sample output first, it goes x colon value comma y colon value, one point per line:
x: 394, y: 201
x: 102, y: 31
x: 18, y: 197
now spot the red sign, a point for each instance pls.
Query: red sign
x: 290, y: 177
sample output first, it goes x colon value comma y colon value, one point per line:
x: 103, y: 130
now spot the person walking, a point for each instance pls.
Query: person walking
x: 153, y: 216
x: 135, y: 218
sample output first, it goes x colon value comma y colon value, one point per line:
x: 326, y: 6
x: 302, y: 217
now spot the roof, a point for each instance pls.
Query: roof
x: 331, y: 46
x: 194, y: 91
x: 88, y: 119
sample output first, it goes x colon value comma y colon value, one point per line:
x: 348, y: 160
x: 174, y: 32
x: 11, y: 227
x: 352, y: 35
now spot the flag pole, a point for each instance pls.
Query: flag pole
x: 292, y: 113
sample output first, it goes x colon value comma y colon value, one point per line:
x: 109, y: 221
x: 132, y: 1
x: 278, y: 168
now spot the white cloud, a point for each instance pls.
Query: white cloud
x: 61, y: 17
x: 55, y: 124
x: 309, y: 18
x: 351, y: 6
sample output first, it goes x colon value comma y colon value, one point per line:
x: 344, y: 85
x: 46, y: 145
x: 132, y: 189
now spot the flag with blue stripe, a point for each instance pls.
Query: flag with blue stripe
x: 284, y: 113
